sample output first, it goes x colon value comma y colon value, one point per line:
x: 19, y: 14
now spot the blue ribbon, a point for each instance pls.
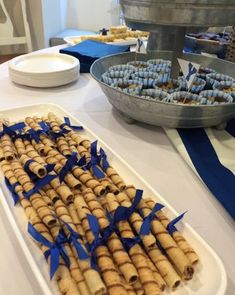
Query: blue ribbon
x: 26, y: 167
x: 49, y: 167
x: 82, y: 162
x: 45, y: 127
x: 98, y: 241
x: 95, y: 159
x: 39, y: 185
x: 73, y: 238
x: 146, y: 225
x: 171, y: 225
x: 103, y: 160
x: 124, y: 213
x: 128, y: 243
x: 55, y: 250
x: 7, y: 130
x: 68, y: 123
x: 12, y: 188
x: 23, y: 136
x: 70, y: 163
x: 18, y: 126
x: 34, y: 135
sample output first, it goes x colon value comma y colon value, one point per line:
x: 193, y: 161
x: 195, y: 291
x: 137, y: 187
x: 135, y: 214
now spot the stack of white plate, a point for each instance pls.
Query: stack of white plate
x: 44, y: 69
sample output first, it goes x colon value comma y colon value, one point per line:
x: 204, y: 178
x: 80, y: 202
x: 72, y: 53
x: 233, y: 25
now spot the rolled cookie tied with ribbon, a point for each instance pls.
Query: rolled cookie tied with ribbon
x: 154, y: 94
x: 186, y: 98
x: 158, y: 61
x: 129, y: 86
x: 167, y: 84
x: 216, y: 97
x: 196, y: 87
x: 227, y: 87
x: 147, y: 78
x: 213, y: 77
x: 139, y: 64
x: 203, y: 71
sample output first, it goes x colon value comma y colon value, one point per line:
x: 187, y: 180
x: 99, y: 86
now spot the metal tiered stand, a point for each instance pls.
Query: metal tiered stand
x: 168, y: 21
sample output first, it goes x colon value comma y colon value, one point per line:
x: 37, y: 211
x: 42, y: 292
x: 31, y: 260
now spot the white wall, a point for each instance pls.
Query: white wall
x: 46, y: 18
x: 92, y: 14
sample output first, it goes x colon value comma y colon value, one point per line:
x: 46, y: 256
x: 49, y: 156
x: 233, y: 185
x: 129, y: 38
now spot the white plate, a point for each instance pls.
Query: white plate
x: 73, y: 40
x: 210, y: 277
x: 44, y: 69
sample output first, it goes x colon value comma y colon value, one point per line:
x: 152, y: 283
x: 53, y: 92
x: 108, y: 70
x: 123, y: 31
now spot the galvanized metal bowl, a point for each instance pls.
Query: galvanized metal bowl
x: 165, y: 114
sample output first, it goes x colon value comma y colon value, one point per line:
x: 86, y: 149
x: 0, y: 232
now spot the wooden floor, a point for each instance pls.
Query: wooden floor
x: 4, y: 58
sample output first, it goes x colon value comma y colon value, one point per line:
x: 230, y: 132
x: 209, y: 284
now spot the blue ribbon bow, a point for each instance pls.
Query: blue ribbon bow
x: 146, y: 225
x: 124, y: 213
x: 12, y: 188
x: 73, y: 238
x: 68, y: 123
x: 39, y: 185
x: 55, y: 251
x: 171, y: 225
x: 98, y: 241
x: 70, y: 163
x: 95, y: 159
x: 103, y: 160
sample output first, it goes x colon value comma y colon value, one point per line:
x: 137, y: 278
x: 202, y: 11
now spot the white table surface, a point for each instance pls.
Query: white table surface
x: 147, y: 149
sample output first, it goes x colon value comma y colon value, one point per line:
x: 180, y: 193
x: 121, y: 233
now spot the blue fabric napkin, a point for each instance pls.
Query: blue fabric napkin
x: 88, y: 51
x: 207, y: 160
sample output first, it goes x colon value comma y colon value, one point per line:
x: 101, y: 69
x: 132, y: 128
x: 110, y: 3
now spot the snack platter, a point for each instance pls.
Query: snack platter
x: 210, y: 276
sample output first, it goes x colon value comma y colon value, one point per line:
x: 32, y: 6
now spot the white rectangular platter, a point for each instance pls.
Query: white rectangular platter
x: 210, y: 276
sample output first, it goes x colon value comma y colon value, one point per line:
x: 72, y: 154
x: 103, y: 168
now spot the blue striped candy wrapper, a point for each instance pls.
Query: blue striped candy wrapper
x: 138, y: 64
x: 226, y: 86
x: 159, y: 62
x: 213, y: 77
x: 154, y: 94
x: 147, y: 78
x: 167, y: 84
x: 216, y: 97
x: 106, y: 79
x: 189, y: 98
x: 196, y: 87
x: 129, y: 86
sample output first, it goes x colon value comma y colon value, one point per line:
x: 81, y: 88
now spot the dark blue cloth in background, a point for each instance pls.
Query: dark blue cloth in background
x: 219, y: 179
x: 88, y: 51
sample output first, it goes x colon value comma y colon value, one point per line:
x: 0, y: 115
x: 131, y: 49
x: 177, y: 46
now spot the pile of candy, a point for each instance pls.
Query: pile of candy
x: 151, y: 80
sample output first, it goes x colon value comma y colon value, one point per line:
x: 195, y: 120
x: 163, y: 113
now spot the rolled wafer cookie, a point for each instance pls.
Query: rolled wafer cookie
x: 36, y: 199
x: 2, y: 157
x: 115, y: 246
x: 175, y: 254
x: 84, y: 176
x: 65, y: 282
x: 34, y: 124
x: 34, y: 166
x: 104, y: 261
x: 31, y: 153
x: 8, y: 148
x: 20, y: 147
x: 69, y: 179
x: 116, y: 179
x: 136, y: 221
x: 136, y: 253
x: 178, y: 237
x: 138, y: 288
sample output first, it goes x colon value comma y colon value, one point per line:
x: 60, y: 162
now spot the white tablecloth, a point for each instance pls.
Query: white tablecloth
x: 147, y: 149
